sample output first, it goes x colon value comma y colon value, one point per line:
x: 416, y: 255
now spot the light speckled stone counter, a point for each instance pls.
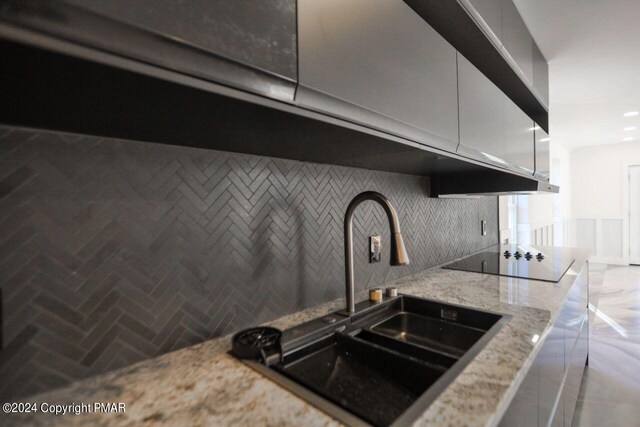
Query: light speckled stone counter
x: 203, y: 385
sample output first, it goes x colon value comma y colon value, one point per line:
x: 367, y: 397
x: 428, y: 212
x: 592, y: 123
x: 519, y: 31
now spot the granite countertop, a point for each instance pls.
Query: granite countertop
x: 203, y: 385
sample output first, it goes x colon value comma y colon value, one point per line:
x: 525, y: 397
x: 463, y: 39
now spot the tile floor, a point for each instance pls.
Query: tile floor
x: 610, y: 391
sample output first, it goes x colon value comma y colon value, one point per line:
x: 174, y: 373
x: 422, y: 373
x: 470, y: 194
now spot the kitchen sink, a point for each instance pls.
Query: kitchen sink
x: 383, y: 365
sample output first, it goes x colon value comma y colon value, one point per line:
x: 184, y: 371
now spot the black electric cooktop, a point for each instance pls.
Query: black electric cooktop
x: 544, y: 263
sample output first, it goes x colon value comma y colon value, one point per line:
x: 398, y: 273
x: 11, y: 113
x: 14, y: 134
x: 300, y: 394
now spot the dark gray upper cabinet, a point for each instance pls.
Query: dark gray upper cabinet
x: 517, y: 41
x: 540, y: 75
x: 257, y: 33
x: 543, y: 169
x: 488, y: 14
x: 247, y: 44
x: 492, y: 128
x: 377, y: 63
x: 519, y: 134
x: 482, y: 116
x: 365, y: 83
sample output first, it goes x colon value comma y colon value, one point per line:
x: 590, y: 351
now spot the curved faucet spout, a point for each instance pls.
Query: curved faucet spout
x: 398, y: 252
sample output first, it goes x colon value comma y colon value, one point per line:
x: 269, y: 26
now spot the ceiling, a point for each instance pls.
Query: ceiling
x: 593, y: 49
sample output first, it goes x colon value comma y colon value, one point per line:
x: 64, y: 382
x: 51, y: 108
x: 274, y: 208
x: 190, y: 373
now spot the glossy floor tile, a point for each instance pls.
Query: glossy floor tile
x: 610, y: 390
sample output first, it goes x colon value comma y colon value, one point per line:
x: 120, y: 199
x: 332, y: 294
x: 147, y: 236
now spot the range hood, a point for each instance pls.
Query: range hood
x: 488, y: 183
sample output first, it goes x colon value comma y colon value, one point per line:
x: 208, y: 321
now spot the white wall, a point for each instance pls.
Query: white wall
x: 600, y: 186
x: 591, y: 209
x: 544, y: 219
x: 599, y: 176
x: 562, y: 166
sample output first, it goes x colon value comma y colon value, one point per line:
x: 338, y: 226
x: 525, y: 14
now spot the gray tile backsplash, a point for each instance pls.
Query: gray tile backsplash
x: 116, y: 251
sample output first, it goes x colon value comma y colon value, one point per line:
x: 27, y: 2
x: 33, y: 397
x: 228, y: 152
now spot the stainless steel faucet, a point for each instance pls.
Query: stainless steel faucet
x: 398, y: 252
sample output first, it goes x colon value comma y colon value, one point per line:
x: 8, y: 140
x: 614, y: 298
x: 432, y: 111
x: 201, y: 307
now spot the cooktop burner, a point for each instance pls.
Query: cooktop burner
x: 528, y: 262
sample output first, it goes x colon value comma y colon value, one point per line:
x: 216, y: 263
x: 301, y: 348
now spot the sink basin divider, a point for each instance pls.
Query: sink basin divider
x: 417, y: 363
x: 438, y: 358
x: 454, y: 338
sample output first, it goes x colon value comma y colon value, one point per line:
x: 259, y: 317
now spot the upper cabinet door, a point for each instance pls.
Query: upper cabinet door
x: 482, y: 116
x: 245, y: 44
x: 488, y: 13
x: 377, y: 63
x: 540, y: 75
x: 519, y: 144
x: 492, y: 128
x: 543, y: 169
x: 516, y: 39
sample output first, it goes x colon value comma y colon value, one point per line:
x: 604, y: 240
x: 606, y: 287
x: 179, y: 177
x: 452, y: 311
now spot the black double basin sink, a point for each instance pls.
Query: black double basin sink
x: 384, y: 365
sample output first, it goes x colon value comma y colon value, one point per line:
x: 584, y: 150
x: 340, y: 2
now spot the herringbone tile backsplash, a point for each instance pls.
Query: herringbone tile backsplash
x: 116, y: 251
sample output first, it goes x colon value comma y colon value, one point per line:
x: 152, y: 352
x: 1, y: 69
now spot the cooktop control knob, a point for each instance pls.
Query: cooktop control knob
x: 518, y: 255
x: 540, y: 257
x: 507, y: 254
x: 528, y: 256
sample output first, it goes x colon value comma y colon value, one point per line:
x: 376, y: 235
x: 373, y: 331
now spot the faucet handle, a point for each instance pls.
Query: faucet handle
x: 399, y: 254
